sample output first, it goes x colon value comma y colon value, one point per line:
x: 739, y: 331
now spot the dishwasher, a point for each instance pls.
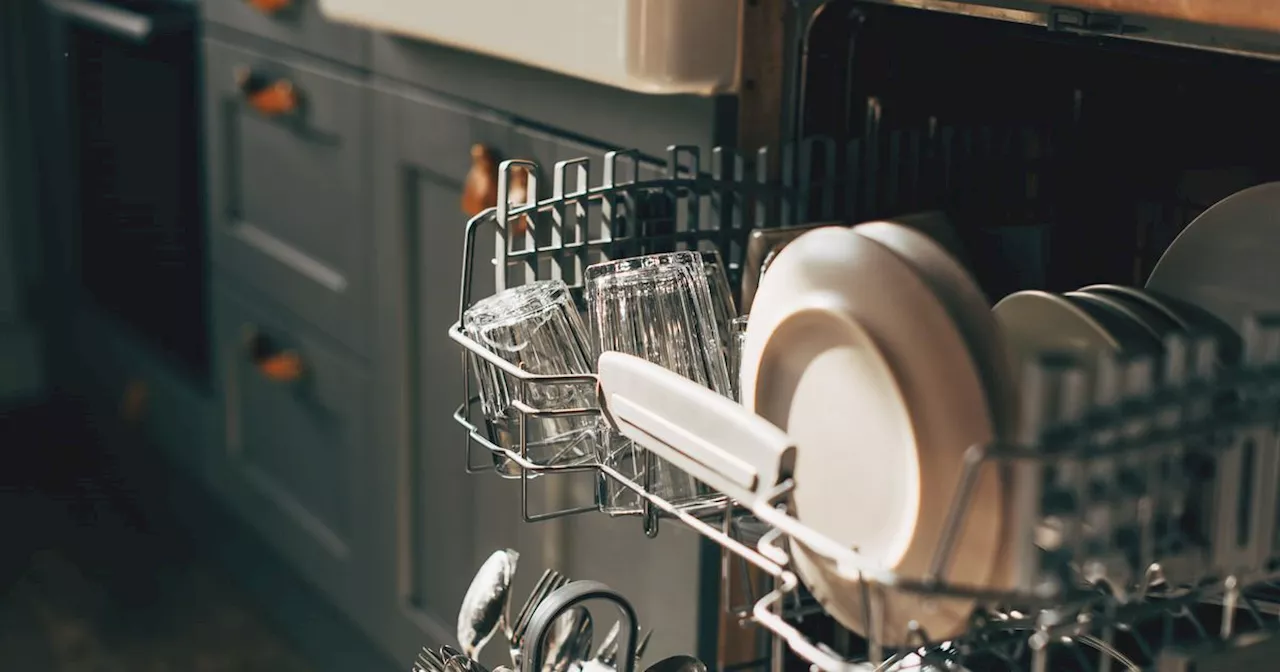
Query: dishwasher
x: 1066, y: 148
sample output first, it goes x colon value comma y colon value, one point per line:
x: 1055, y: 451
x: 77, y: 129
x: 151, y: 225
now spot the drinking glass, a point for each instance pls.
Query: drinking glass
x: 659, y: 308
x: 737, y: 338
x: 536, y: 327
x: 722, y: 303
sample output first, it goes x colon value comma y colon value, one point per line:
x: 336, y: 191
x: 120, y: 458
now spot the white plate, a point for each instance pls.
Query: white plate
x: 850, y: 352
x: 1036, y: 322
x: 918, y: 244
x: 1139, y: 306
x: 1224, y: 261
x: 1124, y: 326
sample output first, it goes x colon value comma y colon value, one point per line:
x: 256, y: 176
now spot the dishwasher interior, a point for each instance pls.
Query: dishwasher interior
x: 1065, y: 159
x: 1062, y: 156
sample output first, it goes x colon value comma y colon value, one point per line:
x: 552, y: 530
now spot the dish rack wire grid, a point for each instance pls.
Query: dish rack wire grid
x: 1081, y: 582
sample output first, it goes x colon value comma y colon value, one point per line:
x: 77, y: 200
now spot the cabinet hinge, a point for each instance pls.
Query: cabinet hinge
x: 1070, y: 20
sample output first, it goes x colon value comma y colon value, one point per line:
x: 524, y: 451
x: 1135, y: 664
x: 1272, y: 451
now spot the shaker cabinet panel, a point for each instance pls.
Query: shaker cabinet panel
x: 286, y: 153
x: 432, y: 530
x: 296, y: 421
x: 297, y: 23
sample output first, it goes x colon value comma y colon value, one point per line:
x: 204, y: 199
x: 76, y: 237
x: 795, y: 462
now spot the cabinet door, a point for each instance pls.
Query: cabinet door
x: 299, y: 23
x: 431, y: 513
x: 288, y: 189
x: 295, y: 414
x: 439, y: 523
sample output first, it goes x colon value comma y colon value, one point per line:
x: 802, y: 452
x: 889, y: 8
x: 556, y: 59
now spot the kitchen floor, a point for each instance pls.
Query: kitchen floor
x: 91, y: 584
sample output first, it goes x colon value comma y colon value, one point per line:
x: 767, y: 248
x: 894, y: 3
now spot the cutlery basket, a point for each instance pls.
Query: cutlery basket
x: 1077, y: 167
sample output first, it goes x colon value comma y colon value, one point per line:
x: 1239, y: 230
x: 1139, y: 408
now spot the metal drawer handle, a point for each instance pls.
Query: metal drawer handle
x: 280, y: 365
x: 480, y: 189
x: 270, y: 96
x: 269, y: 7
x: 106, y: 18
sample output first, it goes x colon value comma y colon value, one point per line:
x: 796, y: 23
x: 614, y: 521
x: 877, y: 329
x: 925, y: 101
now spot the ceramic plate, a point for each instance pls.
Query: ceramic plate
x: 852, y: 354
x: 1224, y: 261
x: 1141, y: 307
x: 1034, y: 322
x: 763, y: 246
x: 917, y: 243
x: 1132, y: 336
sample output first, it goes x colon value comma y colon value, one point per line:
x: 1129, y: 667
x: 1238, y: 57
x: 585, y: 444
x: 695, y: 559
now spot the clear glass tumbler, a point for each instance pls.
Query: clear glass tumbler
x: 537, y: 327
x: 737, y: 338
x: 722, y: 303
x: 659, y: 308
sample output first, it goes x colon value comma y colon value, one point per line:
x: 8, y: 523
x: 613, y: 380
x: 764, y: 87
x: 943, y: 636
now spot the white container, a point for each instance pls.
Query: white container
x: 650, y: 46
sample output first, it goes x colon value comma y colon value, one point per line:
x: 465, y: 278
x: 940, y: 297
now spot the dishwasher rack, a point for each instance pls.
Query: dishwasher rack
x: 1088, y: 595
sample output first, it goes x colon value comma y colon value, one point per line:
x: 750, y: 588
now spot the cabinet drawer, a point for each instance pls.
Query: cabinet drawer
x: 287, y: 189
x: 297, y: 23
x: 295, y: 417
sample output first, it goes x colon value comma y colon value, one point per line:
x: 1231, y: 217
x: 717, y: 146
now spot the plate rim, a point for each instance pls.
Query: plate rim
x: 794, y: 260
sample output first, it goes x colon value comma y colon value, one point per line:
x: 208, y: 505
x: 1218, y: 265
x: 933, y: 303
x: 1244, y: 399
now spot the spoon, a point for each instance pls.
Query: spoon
x: 484, y: 607
x: 677, y: 664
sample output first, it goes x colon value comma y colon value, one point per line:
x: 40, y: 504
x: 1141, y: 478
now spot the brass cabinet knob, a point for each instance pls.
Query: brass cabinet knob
x: 280, y: 365
x: 270, y: 96
x: 480, y: 188
x: 269, y: 7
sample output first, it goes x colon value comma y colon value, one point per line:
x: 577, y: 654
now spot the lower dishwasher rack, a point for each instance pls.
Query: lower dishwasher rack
x: 1057, y: 618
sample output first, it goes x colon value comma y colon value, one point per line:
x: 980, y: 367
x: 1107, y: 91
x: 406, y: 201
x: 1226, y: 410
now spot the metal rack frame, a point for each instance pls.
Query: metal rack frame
x: 1148, y: 424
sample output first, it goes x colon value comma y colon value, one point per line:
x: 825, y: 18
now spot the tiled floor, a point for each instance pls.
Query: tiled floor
x: 88, y: 584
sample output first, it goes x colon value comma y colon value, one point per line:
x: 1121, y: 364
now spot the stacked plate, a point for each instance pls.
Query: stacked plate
x: 876, y: 352
x: 873, y: 348
x: 1112, y: 319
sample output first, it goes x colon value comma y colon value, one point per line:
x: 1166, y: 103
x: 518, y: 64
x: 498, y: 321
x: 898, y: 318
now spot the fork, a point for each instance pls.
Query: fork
x: 607, y: 654
x: 428, y: 661
x: 550, y: 581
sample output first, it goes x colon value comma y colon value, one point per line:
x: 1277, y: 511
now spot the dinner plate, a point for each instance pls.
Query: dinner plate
x: 1034, y: 322
x: 851, y: 353
x: 1224, y: 261
x: 1123, y: 324
x: 1191, y: 319
x: 918, y: 242
x: 939, y: 228
x: 763, y: 246
x: 1141, y: 307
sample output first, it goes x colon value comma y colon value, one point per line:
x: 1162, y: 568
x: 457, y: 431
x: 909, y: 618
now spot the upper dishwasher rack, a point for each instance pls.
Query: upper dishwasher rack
x: 1081, y: 587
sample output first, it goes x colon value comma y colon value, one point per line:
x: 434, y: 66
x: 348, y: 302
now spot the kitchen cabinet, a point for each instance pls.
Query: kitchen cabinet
x: 335, y: 236
x: 21, y: 375
x: 293, y: 464
x: 436, y: 523
x: 288, y: 187
x: 297, y: 23
x: 429, y: 524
